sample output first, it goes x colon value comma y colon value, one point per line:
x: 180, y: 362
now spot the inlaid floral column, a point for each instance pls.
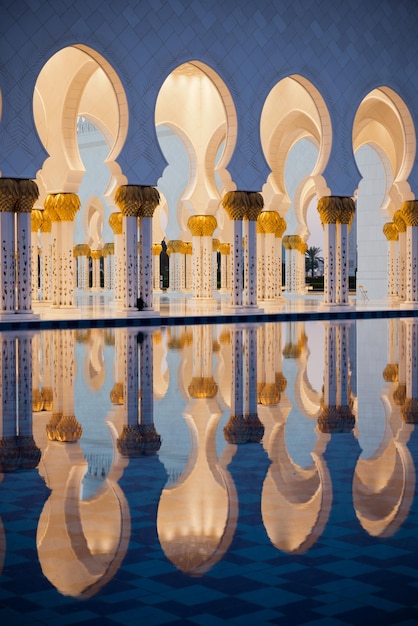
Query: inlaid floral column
x: 62, y: 209
x: 270, y: 223
x: 392, y: 235
x: 215, y: 247
x: 36, y: 221
x: 188, y: 261
x: 150, y: 201
x: 109, y: 266
x: 280, y: 229
x: 253, y: 210
x: 225, y: 250
x: 115, y: 223
x: 234, y: 205
x: 202, y: 228
x: 96, y: 255
x: 294, y: 244
x: 156, y: 251
x: 129, y: 198
x: 336, y: 215
x: 399, y: 221
x: 410, y: 214
x: 9, y: 194
x: 175, y: 249
x: 242, y: 205
x: 81, y: 254
x: 46, y: 259
x: 28, y: 193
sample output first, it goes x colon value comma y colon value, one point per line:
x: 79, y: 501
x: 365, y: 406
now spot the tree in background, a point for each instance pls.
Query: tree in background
x: 312, y: 259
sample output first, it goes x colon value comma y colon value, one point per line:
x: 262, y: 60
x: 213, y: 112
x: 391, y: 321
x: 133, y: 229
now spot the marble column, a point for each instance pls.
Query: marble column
x: 202, y: 228
x: 156, y: 277
x: 128, y: 199
x: 175, y: 250
x: 392, y: 235
x: 240, y: 206
x: 399, y: 221
x: 409, y: 211
x: 62, y: 208
x: 96, y: 255
x: 46, y: 259
x: 225, y: 250
x: 151, y: 200
x: 336, y: 215
x: 36, y: 221
x: 115, y: 222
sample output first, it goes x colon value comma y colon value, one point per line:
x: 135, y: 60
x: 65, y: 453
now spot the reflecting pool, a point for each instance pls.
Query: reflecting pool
x: 211, y: 474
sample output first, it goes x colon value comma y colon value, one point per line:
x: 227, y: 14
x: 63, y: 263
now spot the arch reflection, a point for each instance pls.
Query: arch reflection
x: 230, y: 434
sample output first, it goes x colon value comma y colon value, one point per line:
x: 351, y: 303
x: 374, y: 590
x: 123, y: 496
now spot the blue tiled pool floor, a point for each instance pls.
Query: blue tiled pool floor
x: 346, y: 577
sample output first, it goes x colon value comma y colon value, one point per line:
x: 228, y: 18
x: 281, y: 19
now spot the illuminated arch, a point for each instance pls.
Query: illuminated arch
x: 77, y: 81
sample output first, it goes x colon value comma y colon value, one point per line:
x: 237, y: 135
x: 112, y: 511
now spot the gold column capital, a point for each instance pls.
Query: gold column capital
x: 215, y: 245
x: 294, y: 242
x: 202, y: 225
x: 399, y: 221
x: 175, y: 245
x: 390, y: 231
x: 409, y: 210
x: 28, y: 194
x: 115, y: 223
x: 109, y: 248
x: 62, y: 207
x: 36, y: 220
x: 336, y: 210
x: 243, y: 204
x: 96, y: 254
x: 225, y: 248
x: 137, y: 200
x: 269, y: 221
x: 156, y: 249
x: 81, y: 249
x: 9, y: 194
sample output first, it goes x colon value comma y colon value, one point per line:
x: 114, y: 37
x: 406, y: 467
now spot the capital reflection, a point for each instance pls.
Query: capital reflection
x: 178, y: 440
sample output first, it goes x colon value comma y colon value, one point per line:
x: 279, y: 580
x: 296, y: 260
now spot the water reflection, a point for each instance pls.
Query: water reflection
x: 184, y: 443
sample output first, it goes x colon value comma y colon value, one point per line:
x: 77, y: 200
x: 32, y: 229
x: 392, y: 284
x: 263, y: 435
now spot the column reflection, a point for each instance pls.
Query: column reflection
x: 268, y: 451
x: 194, y: 523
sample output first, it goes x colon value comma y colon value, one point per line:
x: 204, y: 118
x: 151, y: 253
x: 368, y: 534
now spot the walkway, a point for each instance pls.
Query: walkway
x: 99, y: 310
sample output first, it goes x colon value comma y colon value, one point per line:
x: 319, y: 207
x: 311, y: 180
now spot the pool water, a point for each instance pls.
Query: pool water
x: 212, y: 474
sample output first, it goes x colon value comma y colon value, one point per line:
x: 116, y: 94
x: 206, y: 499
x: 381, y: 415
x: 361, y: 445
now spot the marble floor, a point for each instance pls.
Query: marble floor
x: 168, y: 309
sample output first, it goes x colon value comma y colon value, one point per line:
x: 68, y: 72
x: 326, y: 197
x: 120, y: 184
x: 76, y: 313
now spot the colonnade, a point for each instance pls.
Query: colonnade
x: 402, y: 264
x: 39, y: 256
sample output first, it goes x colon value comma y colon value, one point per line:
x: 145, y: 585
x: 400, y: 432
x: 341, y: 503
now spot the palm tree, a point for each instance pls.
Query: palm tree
x: 312, y: 259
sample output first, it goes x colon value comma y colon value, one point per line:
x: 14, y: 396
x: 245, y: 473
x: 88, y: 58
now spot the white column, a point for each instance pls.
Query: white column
x: 237, y: 287
x: 342, y: 264
x: 7, y: 262
x: 329, y: 263
x: 130, y: 230
x: 206, y: 267
x: 252, y: 264
x: 23, y: 249
x: 46, y: 266
x: 145, y: 274
x: 412, y: 264
x: 119, y: 267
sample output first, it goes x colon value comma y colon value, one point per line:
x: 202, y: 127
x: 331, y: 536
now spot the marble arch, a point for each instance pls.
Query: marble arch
x: 384, y: 124
x: 77, y: 81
